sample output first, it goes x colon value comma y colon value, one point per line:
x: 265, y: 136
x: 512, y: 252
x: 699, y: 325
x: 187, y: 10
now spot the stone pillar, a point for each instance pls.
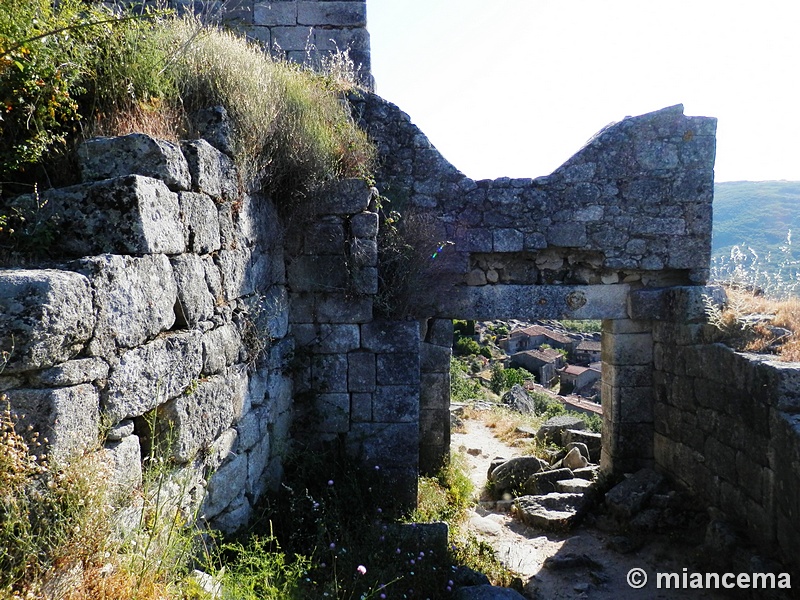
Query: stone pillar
x: 627, y: 395
x: 434, y: 417
x: 358, y: 379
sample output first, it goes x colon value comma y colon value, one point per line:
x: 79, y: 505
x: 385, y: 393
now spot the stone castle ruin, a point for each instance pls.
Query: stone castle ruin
x: 184, y: 305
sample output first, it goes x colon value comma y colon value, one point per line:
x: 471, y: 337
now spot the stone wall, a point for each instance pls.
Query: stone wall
x: 165, y: 315
x: 726, y: 423
x: 630, y: 209
x: 357, y: 378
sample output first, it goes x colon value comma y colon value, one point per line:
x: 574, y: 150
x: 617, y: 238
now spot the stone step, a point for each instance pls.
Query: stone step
x: 551, y: 512
x: 573, y: 486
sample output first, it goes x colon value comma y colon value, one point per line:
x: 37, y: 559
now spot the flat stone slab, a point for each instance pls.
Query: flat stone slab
x: 550, y: 512
x: 573, y: 486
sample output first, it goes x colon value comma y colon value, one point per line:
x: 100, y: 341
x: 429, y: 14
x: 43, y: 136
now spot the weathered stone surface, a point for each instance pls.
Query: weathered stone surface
x: 390, y: 336
x: 220, y: 348
x: 72, y: 372
x: 518, y: 399
x: 628, y: 497
x: 127, y: 215
x: 134, y: 299
x: 513, y: 473
x: 150, y: 374
x: 546, y: 481
x: 575, y: 460
x: 553, y: 429
x: 212, y: 172
x: 134, y: 154
x: 333, y: 13
x: 46, y: 317
x: 66, y: 419
x: 124, y: 460
x: 120, y: 431
x: 577, y: 485
x: 224, y: 486
x: 194, y: 300
x: 551, y: 512
x: 345, y: 197
x: 200, y: 220
x: 197, y: 417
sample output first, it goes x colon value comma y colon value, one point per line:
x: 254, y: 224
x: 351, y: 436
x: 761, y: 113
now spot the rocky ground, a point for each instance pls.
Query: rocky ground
x: 590, y: 560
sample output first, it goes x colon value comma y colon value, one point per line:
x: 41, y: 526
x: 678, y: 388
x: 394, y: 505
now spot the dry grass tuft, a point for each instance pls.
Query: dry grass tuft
x: 740, y: 327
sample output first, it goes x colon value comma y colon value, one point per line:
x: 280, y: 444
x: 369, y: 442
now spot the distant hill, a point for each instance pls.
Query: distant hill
x: 758, y: 215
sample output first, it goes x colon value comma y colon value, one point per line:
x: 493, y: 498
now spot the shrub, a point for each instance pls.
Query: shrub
x: 462, y: 387
x: 465, y: 346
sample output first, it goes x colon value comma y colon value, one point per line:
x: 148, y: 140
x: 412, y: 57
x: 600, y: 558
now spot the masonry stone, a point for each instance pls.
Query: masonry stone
x: 46, y: 317
x: 149, y: 375
x: 134, y: 154
x: 124, y: 460
x: 67, y: 419
x: 194, y: 301
x: 212, y: 172
x: 200, y: 218
x: 197, y: 417
x: 134, y: 298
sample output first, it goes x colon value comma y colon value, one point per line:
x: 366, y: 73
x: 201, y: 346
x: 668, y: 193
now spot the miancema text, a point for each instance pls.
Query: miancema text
x: 687, y: 580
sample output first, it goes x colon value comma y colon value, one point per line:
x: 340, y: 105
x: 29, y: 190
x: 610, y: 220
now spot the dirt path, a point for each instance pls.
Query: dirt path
x: 585, y: 566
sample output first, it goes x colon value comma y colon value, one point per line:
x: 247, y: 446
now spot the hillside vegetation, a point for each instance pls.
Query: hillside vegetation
x: 73, y: 69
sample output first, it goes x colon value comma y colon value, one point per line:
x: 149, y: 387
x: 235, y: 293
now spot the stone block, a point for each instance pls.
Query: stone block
x: 147, y: 376
x: 134, y: 154
x: 220, y: 348
x: 212, y: 172
x: 46, y: 317
x: 193, y: 420
x: 237, y: 277
x: 386, y: 445
x: 628, y: 349
x: 364, y: 225
x: 396, y: 404
x: 435, y: 391
x: 567, y: 235
x: 134, y: 299
x: 398, y: 369
x: 628, y: 375
x: 72, y: 372
x: 332, y: 13
x: 361, y: 373
x: 390, y: 336
x: 124, y: 461
x: 332, y: 412
x: 224, y: 486
x: 342, y: 308
x: 507, y: 240
x: 337, y: 339
x: 439, y: 332
x: 318, y: 273
x: 257, y: 461
x: 195, y: 302
x: 200, y: 220
x: 66, y: 419
x: 329, y: 373
x: 361, y: 407
x: 325, y: 236
x: 345, y: 197
x: 292, y: 38
x: 282, y: 12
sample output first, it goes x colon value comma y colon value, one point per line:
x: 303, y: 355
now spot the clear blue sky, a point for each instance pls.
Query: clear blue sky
x: 515, y: 87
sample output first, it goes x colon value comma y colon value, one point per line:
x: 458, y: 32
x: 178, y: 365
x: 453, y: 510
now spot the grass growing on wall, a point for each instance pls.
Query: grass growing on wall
x: 78, y: 69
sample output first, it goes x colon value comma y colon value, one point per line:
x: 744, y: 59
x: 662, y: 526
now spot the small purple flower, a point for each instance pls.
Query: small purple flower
x: 450, y: 582
x: 383, y: 596
x: 412, y: 561
x: 330, y: 481
x: 380, y: 510
x: 362, y: 569
x: 332, y: 546
x: 397, y: 551
x: 422, y: 555
x: 377, y: 467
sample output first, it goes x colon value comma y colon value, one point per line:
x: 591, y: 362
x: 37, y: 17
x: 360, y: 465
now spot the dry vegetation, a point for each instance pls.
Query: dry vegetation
x: 754, y: 322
